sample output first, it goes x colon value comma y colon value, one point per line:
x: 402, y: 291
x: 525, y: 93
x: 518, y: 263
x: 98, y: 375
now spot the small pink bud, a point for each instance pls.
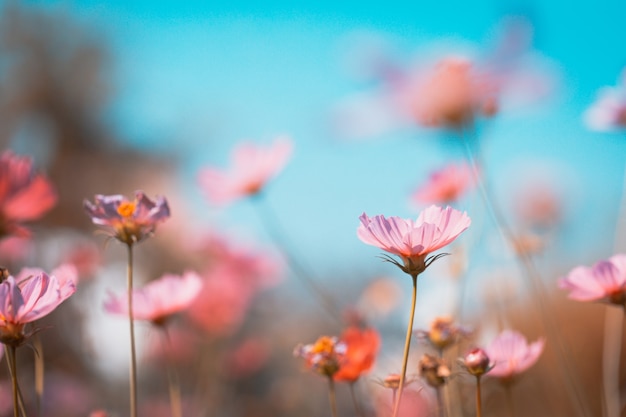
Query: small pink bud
x: 476, y: 362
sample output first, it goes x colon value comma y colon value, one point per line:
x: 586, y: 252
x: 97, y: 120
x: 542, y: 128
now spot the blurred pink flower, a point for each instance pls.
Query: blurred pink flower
x: 247, y: 358
x: 24, y: 195
x: 446, y: 185
x: 604, y: 281
x: 413, y: 404
x: 511, y: 354
x: 130, y: 221
x: 453, y: 93
x: 28, y: 298
x: 608, y: 112
x: 413, y: 241
x: 159, y: 299
x: 252, y: 167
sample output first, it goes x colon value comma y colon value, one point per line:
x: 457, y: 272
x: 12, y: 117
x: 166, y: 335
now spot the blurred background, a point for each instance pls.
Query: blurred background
x: 112, y: 97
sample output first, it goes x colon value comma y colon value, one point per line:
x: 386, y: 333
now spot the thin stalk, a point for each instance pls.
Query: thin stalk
x: 440, y: 406
x: 509, y: 399
x: 272, y: 225
x: 13, y: 367
x: 19, y: 391
x: 478, y: 398
x: 173, y: 381
x: 407, y: 345
x: 39, y: 372
x: 357, y: 407
x: 131, y: 320
x: 332, y: 397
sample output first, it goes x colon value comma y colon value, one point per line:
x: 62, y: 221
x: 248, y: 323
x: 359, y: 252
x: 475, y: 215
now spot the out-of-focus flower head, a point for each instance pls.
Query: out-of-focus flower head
x: 413, y: 403
x: 446, y: 185
x: 434, y: 370
x: 608, y: 112
x: 26, y: 298
x: 452, y: 94
x: 413, y: 241
x: 252, y: 167
x: 477, y: 362
x: 24, y: 195
x: 362, y: 346
x: 511, y: 354
x: 325, y: 356
x: 129, y: 221
x: 604, y: 281
x: 443, y: 333
x: 159, y: 299
x: 539, y: 204
x: 247, y: 358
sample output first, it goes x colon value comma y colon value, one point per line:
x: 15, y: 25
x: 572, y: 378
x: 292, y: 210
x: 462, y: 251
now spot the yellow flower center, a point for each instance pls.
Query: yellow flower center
x: 126, y: 208
x: 324, y: 344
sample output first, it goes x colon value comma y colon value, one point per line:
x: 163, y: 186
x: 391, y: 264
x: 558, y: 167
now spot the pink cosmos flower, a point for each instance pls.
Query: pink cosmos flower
x: 24, y: 195
x: 446, y: 185
x: 28, y: 298
x: 159, y: 299
x: 511, y: 354
x: 130, y: 221
x: 413, y: 241
x: 604, y: 281
x: 252, y: 167
x: 608, y: 112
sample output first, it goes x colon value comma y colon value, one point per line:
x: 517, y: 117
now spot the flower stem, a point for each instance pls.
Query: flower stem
x: 332, y: 397
x: 357, y: 408
x: 407, y: 344
x: 173, y: 381
x: 478, y: 398
x: 440, y: 406
x: 11, y: 356
x: 133, y: 358
x: 19, y: 392
x: 39, y: 372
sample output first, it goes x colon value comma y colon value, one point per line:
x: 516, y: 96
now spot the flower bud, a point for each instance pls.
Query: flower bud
x: 476, y: 362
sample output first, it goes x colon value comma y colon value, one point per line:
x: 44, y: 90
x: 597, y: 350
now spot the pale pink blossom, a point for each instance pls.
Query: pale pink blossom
x: 252, y: 166
x: 129, y: 221
x: 608, y: 112
x: 511, y: 354
x: 414, y: 240
x: 28, y: 298
x: 24, y: 195
x: 604, y: 281
x: 159, y: 299
x: 446, y: 185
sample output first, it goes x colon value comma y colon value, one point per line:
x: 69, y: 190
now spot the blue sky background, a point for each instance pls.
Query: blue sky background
x: 193, y: 78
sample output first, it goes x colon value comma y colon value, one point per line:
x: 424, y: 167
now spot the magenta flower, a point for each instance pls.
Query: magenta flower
x: 446, y: 185
x: 252, y: 167
x: 608, y: 112
x: 511, y: 354
x: 130, y: 221
x: 24, y: 195
x: 28, y: 298
x: 604, y: 281
x: 413, y: 241
x: 159, y: 299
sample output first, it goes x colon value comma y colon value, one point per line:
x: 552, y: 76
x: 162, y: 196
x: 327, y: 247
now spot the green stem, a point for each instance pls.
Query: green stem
x: 407, y: 345
x: 332, y: 397
x: 131, y: 320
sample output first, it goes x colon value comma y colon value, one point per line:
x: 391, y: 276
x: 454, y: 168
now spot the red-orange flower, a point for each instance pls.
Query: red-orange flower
x: 362, y: 346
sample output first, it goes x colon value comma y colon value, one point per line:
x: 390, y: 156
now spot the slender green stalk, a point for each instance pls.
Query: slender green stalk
x: 173, y: 381
x: 11, y: 356
x: 131, y: 320
x: 357, y: 407
x: 332, y: 397
x: 478, y: 398
x: 407, y: 345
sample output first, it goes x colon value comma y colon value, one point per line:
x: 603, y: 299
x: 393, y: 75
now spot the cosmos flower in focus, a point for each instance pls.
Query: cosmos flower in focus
x: 511, y: 354
x: 324, y: 356
x: 446, y: 185
x: 159, y: 299
x: 130, y: 221
x: 29, y: 298
x: 452, y: 94
x: 24, y: 195
x: 413, y: 241
x: 604, y: 281
x: 252, y: 167
x: 608, y: 112
x: 362, y: 346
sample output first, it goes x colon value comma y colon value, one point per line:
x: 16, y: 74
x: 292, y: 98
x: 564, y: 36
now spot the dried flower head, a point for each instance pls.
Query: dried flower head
x: 130, y: 221
x: 413, y: 241
x: 434, y: 370
x: 324, y: 356
x: 443, y: 333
